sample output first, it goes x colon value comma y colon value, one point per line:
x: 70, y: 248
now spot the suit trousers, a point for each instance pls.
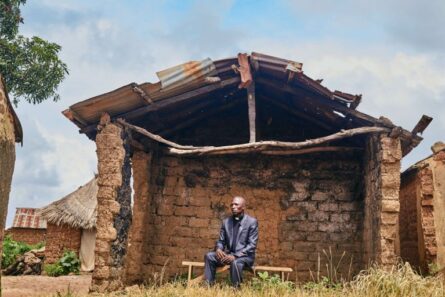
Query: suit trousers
x: 236, y: 268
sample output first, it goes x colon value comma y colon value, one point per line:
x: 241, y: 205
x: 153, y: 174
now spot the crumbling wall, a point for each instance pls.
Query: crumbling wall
x: 305, y: 205
x: 382, y: 187
x: 438, y: 169
x: 59, y: 239
x: 138, y: 236
x: 409, y: 237
x: 27, y: 235
x: 423, y: 189
x: 113, y: 206
x: 425, y: 206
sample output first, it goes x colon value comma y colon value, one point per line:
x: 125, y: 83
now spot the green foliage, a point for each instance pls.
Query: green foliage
x: 433, y: 268
x: 266, y: 281
x: 12, y: 249
x: 10, y: 18
x: 53, y: 269
x: 69, y: 263
x: 30, y: 66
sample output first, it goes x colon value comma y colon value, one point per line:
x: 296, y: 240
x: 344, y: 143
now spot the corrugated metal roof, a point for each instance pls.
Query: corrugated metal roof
x: 184, y: 74
x: 28, y: 218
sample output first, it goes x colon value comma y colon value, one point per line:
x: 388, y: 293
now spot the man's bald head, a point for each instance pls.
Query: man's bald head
x: 238, y: 205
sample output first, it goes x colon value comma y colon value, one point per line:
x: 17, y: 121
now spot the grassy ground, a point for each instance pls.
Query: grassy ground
x: 401, y: 281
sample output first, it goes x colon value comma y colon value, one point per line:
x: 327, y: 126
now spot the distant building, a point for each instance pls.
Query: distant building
x: 72, y: 225
x: 28, y: 226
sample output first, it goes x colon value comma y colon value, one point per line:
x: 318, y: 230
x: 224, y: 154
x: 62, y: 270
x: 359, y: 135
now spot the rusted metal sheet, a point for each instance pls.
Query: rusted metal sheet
x: 28, y: 218
x: 186, y: 73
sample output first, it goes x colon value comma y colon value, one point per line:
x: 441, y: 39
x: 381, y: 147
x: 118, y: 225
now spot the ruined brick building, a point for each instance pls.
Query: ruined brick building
x: 422, y: 209
x: 71, y: 223
x: 317, y: 173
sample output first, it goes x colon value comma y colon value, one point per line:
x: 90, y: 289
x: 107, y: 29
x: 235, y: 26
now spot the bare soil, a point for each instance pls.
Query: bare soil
x: 36, y: 285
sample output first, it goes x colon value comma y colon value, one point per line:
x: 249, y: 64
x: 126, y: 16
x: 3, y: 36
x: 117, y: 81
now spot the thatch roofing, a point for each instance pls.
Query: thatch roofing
x: 77, y: 210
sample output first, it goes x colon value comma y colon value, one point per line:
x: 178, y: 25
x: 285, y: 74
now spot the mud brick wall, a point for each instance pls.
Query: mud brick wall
x: 138, y: 236
x: 304, y: 204
x: 27, y: 235
x: 382, y: 189
x: 113, y: 207
x: 424, y: 190
x: 427, y: 242
x: 438, y: 169
x: 59, y: 239
x: 409, y: 238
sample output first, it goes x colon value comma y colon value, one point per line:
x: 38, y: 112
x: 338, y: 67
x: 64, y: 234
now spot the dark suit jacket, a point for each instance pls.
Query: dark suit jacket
x: 246, y: 241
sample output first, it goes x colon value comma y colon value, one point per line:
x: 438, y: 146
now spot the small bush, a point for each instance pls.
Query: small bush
x: 69, y: 263
x: 265, y: 281
x: 53, y: 269
x: 12, y: 249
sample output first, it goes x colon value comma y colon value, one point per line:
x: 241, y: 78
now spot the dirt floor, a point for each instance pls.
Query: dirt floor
x: 36, y: 286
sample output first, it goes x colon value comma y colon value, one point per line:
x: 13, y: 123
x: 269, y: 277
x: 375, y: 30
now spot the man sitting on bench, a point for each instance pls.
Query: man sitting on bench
x: 236, y: 245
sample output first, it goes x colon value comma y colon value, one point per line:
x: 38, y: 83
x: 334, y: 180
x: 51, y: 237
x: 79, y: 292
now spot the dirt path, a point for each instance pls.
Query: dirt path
x: 33, y: 286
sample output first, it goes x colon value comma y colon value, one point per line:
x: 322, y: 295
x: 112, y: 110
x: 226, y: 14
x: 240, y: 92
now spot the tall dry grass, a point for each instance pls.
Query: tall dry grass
x: 401, y: 281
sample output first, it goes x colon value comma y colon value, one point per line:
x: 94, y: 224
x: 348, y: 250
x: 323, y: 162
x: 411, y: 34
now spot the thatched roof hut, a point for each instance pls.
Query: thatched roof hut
x: 77, y: 209
x: 72, y: 225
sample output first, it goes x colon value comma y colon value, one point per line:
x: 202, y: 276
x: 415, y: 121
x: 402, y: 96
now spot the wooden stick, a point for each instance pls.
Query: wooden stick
x: 252, y: 111
x: 311, y: 150
x: 264, y: 145
x: 154, y: 136
x: 422, y: 124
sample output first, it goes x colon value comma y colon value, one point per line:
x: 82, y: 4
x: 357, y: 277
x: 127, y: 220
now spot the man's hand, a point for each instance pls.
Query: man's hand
x: 228, y: 259
x: 220, y: 255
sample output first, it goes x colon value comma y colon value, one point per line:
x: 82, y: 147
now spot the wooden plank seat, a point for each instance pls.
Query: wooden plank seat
x: 283, y: 270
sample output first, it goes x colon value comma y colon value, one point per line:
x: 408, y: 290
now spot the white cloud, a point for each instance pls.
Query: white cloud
x: 109, y: 46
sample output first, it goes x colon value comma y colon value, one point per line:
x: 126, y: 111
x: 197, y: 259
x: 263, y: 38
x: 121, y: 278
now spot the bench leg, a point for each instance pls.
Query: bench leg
x: 189, y: 276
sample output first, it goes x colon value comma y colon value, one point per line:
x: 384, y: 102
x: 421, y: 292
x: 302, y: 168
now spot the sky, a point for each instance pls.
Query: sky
x: 392, y: 52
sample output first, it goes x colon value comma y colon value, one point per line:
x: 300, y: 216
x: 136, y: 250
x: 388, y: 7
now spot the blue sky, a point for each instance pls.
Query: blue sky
x: 390, y: 51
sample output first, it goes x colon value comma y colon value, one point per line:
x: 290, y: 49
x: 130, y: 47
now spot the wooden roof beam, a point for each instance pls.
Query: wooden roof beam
x: 298, y: 113
x: 422, y: 125
x: 169, y: 101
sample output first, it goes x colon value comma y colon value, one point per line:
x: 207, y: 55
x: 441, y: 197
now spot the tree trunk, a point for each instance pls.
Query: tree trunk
x: 7, y: 160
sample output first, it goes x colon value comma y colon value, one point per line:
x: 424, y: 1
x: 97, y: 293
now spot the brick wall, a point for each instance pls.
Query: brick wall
x: 27, y: 235
x: 427, y: 242
x: 382, y: 189
x: 409, y: 239
x: 304, y: 204
x: 60, y: 238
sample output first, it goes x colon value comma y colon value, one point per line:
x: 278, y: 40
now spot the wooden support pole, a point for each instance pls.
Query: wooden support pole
x: 252, y: 112
x: 267, y: 145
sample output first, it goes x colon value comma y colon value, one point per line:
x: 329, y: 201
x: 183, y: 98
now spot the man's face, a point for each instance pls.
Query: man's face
x: 237, y: 206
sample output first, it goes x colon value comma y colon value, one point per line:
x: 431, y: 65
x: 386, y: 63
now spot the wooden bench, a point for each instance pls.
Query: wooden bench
x: 284, y: 271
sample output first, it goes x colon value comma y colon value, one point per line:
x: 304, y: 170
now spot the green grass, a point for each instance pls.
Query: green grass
x: 401, y: 281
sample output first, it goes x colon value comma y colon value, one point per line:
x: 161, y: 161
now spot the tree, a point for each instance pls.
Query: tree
x: 32, y: 71
x: 30, y: 66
